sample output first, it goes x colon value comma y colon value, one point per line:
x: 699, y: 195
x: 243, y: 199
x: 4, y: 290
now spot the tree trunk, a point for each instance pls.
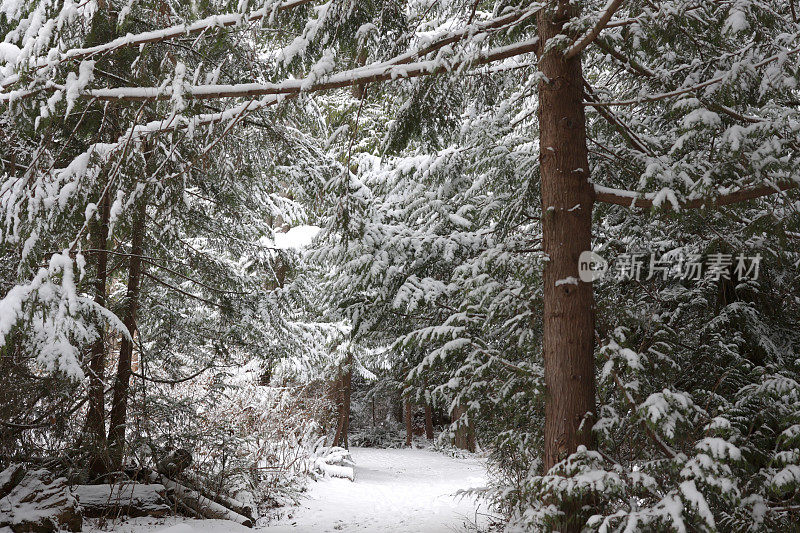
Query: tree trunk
x: 95, y: 417
x: 344, y: 384
x: 119, y: 406
x: 202, y: 505
x: 197, y: 483
x: 465, y: 435
x: 125, y: 499
x: 428, y: 421
x: 408, y: 420
x: 358, y: 90
x: 567, y: 201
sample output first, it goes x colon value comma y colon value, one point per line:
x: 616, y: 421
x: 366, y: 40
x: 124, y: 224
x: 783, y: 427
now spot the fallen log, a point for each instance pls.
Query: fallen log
x: 202, y: 505
x: 131, y: 499
x: 175, y: 462
x: 199, y: 484
x: 178, y: 506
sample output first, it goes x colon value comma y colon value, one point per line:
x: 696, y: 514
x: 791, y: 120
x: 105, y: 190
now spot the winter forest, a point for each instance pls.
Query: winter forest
x: 399, y: 265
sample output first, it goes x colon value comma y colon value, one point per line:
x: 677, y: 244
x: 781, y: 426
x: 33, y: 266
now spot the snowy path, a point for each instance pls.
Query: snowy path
x: 395, y: 491
x: 399, y: 490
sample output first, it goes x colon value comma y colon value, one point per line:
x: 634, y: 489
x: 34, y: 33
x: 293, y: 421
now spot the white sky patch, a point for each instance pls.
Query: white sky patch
x: 297, y: 237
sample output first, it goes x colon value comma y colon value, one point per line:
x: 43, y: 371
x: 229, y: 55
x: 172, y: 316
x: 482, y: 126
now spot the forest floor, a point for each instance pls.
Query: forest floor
x: 395, y: 490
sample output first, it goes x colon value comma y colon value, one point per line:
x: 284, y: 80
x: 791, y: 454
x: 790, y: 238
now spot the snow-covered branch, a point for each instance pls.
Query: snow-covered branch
x: 165, y: 34
x: 586, y: 40
x: 648, y: 200
x: 369, y: 74
x: 678, y: 92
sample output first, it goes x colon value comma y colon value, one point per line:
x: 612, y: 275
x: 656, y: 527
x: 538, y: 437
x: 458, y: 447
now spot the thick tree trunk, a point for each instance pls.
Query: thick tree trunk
x: 95, y: 417
x: 129, y: 499
x: 428, y: 421
x: 567, y: 201
x: 119, y: 406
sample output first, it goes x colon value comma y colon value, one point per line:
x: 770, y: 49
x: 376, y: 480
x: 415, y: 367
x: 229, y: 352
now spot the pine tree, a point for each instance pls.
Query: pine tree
x: 459, y: 202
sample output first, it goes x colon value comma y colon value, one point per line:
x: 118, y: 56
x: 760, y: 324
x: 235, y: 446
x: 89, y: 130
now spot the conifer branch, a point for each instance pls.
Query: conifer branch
x: 635, y: 199
x: 586, y: 40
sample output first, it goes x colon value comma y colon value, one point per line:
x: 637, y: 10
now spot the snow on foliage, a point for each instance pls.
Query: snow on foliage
x: 408, y: 133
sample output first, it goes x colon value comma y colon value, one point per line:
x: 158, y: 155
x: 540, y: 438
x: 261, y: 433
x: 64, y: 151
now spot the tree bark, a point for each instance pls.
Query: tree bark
x: 408, y: 420
x: 567, y: 202
x: 465, y: 435
x: 428, y: 420
x: 128, y: 499
x: 358, y: 90
x: 95, y: 417
x: 119, y: 405
x: 344, y: 384
x: 202, y: 505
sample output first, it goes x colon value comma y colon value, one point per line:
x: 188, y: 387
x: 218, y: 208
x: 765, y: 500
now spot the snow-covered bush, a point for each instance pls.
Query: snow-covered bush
x: 334, y: 461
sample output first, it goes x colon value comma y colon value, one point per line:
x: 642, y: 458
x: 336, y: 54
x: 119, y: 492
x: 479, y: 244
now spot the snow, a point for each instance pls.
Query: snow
x: 387, y: 71
x: 170, y: 524
x: 394, y: 490
x: 297, y: 237
x: 8, y: 53
x: 569, y: 280
x: 77, y: 83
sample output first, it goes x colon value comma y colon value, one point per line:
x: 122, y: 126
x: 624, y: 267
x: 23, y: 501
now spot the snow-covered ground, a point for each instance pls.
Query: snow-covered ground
x: 395, y: 491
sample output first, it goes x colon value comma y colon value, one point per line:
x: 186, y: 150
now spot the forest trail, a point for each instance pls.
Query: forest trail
x: 395, y: 490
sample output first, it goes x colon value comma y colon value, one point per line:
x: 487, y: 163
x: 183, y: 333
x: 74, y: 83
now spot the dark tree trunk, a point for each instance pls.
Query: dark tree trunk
x: 344, y: 384
x: 408, y: 420
x: 359, y: 90
x: 428, y: 421
x: 567, y: 201
x: 465, y: 435
x: 95, y: 417
x: 119, y: 405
